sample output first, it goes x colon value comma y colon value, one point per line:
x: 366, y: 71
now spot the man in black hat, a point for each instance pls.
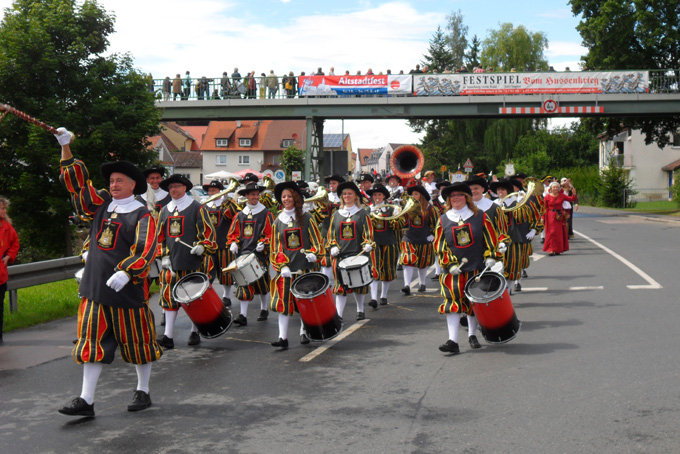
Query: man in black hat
x: 186, y: 235
x: 155, y: 196
x: 251, y: 232
x: 394, y: 186
x: 266, y: 198
x: 333, y: 204
x: 115, y: 300
x: 221, y: 212
x: 365, y: 183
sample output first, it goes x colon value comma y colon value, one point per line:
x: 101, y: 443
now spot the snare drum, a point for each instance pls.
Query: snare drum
x: 246, y: 269
x: 202, y: 304
x: 493, y: 308
x: 314, y: 299
x: 355, y: 271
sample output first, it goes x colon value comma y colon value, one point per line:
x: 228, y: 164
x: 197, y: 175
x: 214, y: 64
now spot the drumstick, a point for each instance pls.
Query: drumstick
x: 479, y: 276
x: 177, y: 240
x: 24, y: 116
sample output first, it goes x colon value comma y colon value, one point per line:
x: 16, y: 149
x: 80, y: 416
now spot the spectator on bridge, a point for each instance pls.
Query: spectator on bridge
x: 9, y: 248
x: 187, y: 86
x: 251, y: 85
x: 464, y: 69
x: 272, y: 84
x: 226, y: 85
x: 177, y: 87
x: 347, y: 72
x: 388, y: 72
x: 479, y: 69
x: 319, y: 72
x: 332, y: 71
x: 204, y: 88
x: 447, y: 70
x: 416, y: 71
x: 236, y: 78
x: 289, y: 83
x: 263, y: 85
x: 167, y: 88
x: 369, y: 72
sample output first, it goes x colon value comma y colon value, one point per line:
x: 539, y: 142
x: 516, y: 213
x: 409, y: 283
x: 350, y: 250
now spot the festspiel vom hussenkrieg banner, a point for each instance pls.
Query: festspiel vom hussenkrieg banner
x: 355, y: 85
x: 531, y: 83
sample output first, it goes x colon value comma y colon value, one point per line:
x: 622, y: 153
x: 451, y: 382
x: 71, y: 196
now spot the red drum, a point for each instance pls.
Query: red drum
x: 314, y: 298
x: 493, y: 308
x: 202, y: 304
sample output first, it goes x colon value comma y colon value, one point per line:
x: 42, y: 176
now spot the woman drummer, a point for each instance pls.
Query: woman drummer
x: 466, y: 242
x: 387, y: 246
x: 350, y: 234
x: 295, y: 246
x: 417, y: 249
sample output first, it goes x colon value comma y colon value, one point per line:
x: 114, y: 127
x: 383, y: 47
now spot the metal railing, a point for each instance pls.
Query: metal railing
x: 205, y: 88
x: 37, y: 273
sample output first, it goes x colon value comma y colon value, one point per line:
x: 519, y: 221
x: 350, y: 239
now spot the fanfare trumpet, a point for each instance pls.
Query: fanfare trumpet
x: 411, y: 207
x: 534, y: 187
x: 231, y: 187
x: 321, y: 197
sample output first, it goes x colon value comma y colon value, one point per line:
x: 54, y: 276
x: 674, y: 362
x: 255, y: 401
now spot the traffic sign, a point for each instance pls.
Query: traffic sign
x: 279, y: 176
x: 550, y: 105
x: 468, y: 166
x: 296, y: 175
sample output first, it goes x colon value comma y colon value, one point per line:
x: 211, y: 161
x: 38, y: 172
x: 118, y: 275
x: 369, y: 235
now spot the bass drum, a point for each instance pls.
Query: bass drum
x: 314, y: 299
x: 493, y: 308
x: 202, y: 304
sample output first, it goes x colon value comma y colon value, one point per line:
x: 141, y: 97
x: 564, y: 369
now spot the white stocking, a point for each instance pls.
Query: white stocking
x: 143, y: 375
x: 264, y: 302
x: 385, y: 288
x: 360, y: 302
x: 453, y: 321
x: 244, y: 308
x: 472, y: 325
x: 437, y: 268
x: 91, y: 373
x: 340, y: 301
x: 408, y: 275
x: 328, y: 271
x: 170, y: 317
x: 374, y: 290
x: 283, y: 325
x: 422, y: 275
x: 194, y: 328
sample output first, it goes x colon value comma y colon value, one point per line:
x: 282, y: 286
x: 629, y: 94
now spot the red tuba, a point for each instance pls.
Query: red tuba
x: 406, y: 161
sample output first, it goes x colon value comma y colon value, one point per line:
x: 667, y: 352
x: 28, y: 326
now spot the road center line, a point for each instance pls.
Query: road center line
x: 652, y: 284
x: 335, y: 340
x: 591, y: 287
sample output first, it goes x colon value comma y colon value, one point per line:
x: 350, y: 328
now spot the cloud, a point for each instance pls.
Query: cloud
x: 559, y: 49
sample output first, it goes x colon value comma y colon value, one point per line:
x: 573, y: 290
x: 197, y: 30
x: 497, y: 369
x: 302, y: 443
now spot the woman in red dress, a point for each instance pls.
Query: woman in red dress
x: 556, y: 240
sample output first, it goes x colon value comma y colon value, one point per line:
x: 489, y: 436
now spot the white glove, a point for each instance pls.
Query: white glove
x: 64, y: 137
x: 197, y: 250
x: 455, y: 270
x: 335, y: 251
x: 311, y: 258
x: 234, y: 248
x: 165, y: 262
x: 502, y: 247
x: 84, y: 256
x: 368, y: 248
x: 118, y: 280
x: 430, y: 238
x: 531, y: 234
x: 285, y: 272
x: 489, y: 263
x: 259, y: 247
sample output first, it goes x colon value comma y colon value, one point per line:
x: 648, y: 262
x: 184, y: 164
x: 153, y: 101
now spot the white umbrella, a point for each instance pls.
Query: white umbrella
x: 222, y: 175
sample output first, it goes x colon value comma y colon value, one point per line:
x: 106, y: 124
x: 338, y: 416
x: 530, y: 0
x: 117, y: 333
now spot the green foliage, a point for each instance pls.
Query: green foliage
x: 617, y: 189
x: 43, y: 303
x: 439, y: 57
x: 510, y: 47
x: 292, y: 159
x: 51, y: 66
x: 472, y: 55
x: 457, y: 38
x: 586, y: 180
x: 632, y: 34
x: 675, y: 189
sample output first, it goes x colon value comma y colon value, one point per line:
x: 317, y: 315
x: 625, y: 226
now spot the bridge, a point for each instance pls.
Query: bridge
x: 659, y: 96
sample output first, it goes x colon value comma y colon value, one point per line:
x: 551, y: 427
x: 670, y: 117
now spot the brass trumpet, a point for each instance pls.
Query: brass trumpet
x: 321, y: 197
x: 231, y: 187
x: 411, y: 207
x: 534, y: 187
x: 268, y: 183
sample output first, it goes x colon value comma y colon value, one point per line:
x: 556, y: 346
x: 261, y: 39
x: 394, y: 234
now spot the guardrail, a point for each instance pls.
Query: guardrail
x: 36, y: 273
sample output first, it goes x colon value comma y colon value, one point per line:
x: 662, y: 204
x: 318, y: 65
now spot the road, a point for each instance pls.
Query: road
x: 594, y: 369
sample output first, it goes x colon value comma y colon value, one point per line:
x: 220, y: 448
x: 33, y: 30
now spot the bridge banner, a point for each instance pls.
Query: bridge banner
x: 355, y: 85
x: 531, y: 83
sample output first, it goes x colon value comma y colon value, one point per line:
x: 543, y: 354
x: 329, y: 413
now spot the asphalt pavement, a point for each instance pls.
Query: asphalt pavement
x: 594, y: 369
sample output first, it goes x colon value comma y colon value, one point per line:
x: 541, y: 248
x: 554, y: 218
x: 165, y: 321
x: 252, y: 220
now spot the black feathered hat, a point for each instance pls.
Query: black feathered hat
x: 458, y: 186
x: 176, y: 178
x: 335, y: 177
x: 479, y: 181
x: 419, y: 189
x: 249, y: 177
x: 349, y: 185
x: 506, y: 184
x: 250, y: 187
x: 213, y: 184
x: 156, y: 169
x: 126, y: 168
x: 292, y: 185
x: 378, y: 188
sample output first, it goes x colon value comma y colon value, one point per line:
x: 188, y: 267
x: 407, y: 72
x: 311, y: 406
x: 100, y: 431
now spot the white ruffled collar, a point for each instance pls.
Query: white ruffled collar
x: 349, y: 211
x: 484, y: 204
x: 253, y: 209
x: 333, y: 197
x: 287, y: 216
x: 458, y: 215
x: 180, y: 204
x: 126, y: 205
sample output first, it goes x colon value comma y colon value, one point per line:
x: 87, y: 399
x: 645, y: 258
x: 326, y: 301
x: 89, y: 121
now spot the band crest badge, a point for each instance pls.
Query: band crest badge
x: 462, y: 236
x: 214, y: 217
x: 417, y: 220
x: 107, y: 236
x: 292, y: 239
x: 248, y: 229
x: 347, y: 232
x: 379, y: 225
x: 175, y: 226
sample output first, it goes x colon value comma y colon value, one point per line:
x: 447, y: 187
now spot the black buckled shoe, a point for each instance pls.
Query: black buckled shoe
x: 449, y: 347
x: 226, y: 301
x: 304, y: 339
x: 373, y: 304
x: 282, y: 343
x: 524, y: 273
x: 140, y: 401
x: 463, y: 321
x: 241, y: 320
x: 422, y: 288
x: 435, y: 277
x: 518, y: 287
x: 77, y: 407
x: 166, y: 342
x: 474, y: 343
x: 406, y: 290
x: 360, y: 316
x: 383, y: 301
x: 263, y: 315
x: 194, y: 339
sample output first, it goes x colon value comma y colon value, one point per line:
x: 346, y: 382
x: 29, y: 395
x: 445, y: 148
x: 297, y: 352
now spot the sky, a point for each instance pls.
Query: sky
x: 208, y: 37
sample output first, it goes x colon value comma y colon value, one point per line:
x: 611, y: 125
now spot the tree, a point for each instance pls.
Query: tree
x: 439, y: 57
x: 472, y: 56
x: 457, y: 38
x: 632, y: 34
x: 291, y: 160
x: 51, y: 66
x: 510, y: 47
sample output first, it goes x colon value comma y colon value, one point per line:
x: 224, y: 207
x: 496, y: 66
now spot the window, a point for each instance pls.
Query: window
x: 285, y: 143
x: 244, y: 160
x: 221, y: 160
x: 676, y: 139
x: 221, y: 142
x: 245, y: 142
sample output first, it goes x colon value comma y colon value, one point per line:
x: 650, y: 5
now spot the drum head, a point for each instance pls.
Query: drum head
x: 354, y: 262
x: 244, y: 259
x: 489, y: 287
x: 309, y: 285
x: 190, y: 287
